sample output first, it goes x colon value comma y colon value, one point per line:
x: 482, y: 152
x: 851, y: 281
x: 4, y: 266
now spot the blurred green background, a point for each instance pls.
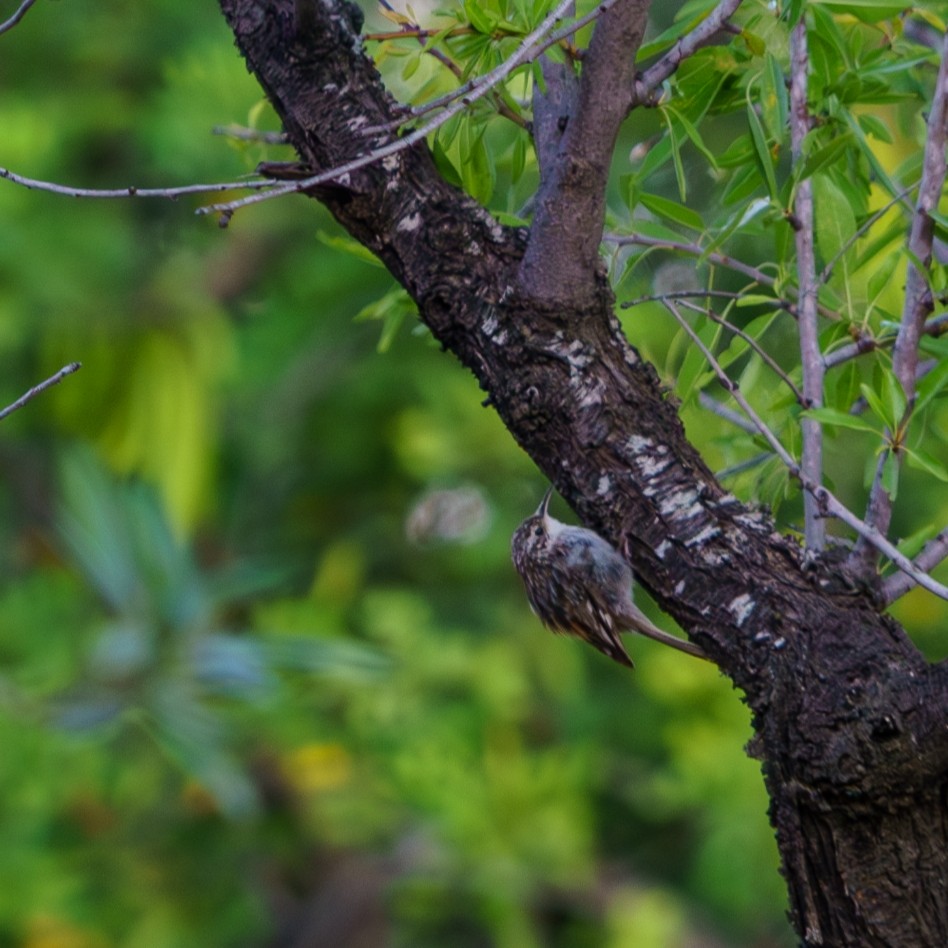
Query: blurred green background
x: 268, y: 677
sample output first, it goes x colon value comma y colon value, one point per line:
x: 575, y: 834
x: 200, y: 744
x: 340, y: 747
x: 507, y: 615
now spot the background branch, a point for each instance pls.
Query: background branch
x: 933, y: 553
x: 918, y: 303
x: 41, y: 387
x: 829, y: 504
x: 811, y: 358
x: 918, y: 299
x: 701, y: 35
x: 18, y: 15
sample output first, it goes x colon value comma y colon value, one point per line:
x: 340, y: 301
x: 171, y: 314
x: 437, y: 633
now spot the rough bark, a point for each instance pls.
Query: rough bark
x: 850, y: 720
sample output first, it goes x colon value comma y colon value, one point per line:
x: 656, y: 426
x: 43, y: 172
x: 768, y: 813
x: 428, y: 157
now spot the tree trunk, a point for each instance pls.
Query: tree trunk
x: 850, y: 721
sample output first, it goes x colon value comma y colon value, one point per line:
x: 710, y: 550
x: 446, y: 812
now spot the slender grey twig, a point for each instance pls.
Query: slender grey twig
x: 690, y: 43
x: 932, y: 554
x: 41, y: 387
x: 711, y: 404
x: 918, y: 297
x: 18, y: 15
x: 475, y: 84
x: 830, y: 505
x: 811, y: 358
x: 250, y: 134
x: 171, y: 194
x: 530, y: 48
x: 765, y: 356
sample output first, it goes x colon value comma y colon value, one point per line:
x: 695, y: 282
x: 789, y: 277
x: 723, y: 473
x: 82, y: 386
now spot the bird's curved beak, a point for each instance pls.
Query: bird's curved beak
x: 541, y: 510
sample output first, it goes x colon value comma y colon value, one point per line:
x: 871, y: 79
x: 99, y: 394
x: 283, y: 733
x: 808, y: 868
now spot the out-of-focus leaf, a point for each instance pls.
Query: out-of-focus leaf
x: 673, y: 211
x: 762, y: 151
x: 923, y: 461
x: 840, y: 419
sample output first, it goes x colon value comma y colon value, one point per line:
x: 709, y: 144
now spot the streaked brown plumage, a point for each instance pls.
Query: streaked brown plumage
x: 579, y: 584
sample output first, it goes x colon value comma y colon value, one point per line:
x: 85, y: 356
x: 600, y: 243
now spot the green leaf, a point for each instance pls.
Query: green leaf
x: 825, y: 155
x: 349, y: 246
x: 873, y: 125
x: 894, y: 396
x: 884, y: 412
x: 754, y: 43
x: 911, y: 545
x: 478, y: 17
x: 846, y: 389
x: 411, y: 64
x: 773, y: 98
x: 676, y: 155
x: 877, y: 168
x: 835, y: 221
x: 932, y: 384
x: 673, y: 211
x: 391, y: 311
x: 695, y: 372
x: 692, y: 132
x: 840, y: 419
x: 869, y: 11
x: 890, y: 475
x: 756, y: 299
x: 764, y: 159
x: 923, y: 461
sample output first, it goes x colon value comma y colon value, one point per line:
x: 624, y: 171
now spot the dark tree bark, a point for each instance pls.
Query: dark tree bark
x: 850, y: 720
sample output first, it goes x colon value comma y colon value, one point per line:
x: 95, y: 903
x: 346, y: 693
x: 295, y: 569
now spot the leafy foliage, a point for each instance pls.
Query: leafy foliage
x: 229, y: 664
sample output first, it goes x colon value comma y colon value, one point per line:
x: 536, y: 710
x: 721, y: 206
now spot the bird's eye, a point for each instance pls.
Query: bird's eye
x: 538, y: 531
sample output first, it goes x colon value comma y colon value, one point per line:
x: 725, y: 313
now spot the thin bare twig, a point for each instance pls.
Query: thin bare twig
x: 41, y: 387
x: 696, y: 250
x: 936, y: 326
x: 932, y: 554
x: 415, y: 31
x: 685, y: 294
x: 473, y: 85
x: 711, y: 404
x: 754, y: 344
x: 250, y: 134
x: 830, y: 505
x: 172, y: 194
x: 690, y: 43
x: 530, y: 48
x: 918, y: 299
x: 811, y: 358
x: 18, y: 15
x: 743, y: 466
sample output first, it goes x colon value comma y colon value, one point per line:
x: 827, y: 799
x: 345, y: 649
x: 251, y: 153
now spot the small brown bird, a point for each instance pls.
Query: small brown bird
x: 579, y: 584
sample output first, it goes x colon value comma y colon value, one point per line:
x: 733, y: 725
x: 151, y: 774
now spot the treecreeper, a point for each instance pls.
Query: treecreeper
x: 579, y: 584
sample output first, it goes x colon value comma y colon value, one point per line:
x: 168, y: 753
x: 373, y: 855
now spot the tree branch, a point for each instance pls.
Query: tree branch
x: 752, y: 343
x: 409, y: 112
x: 531, y: 47
x: 933, y: 553
x: 811, y: 462
x: 701, y: 35
x: 41, y: 387
x: 719, y: 259
x: 829, y: 504
x: 18, y: 15
x: 171, y: 194
x: 918, y: 302
x: 563, y: 252
x: 918, y: 298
